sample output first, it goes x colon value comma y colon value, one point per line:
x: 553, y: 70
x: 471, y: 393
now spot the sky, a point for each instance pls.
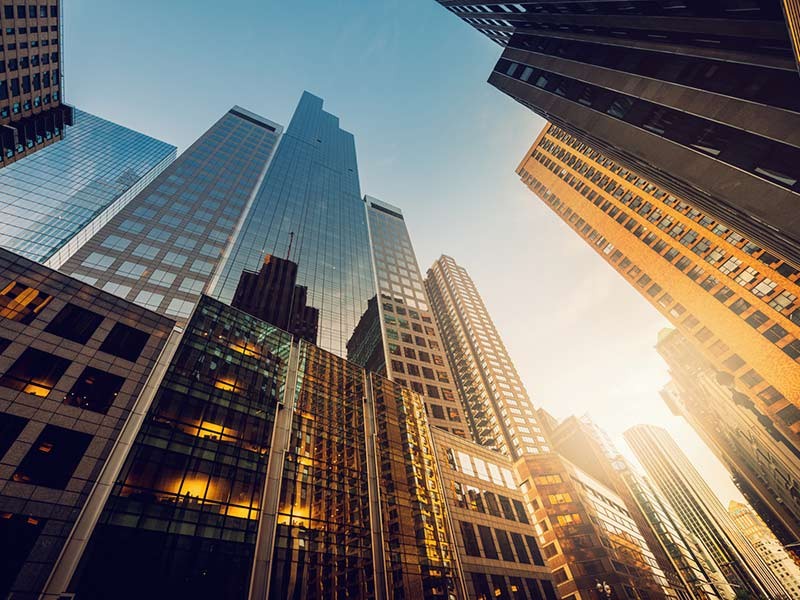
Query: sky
x: 408, y: 79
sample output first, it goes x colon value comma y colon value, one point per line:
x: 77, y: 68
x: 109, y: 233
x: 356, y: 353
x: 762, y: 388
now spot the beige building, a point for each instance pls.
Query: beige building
x: 768, y: 546
x: 499, y: 409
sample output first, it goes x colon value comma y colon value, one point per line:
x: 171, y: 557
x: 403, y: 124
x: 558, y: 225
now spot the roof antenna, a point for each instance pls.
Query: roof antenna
x: 291, y: 239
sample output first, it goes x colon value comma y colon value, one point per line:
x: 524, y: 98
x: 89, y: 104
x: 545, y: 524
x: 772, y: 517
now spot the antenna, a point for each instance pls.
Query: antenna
x: 291, y: 239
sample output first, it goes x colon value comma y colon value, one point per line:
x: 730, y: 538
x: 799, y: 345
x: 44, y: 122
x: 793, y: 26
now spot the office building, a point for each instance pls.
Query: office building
x: 700, y: 511
x: 272, y: 295
x: 700, y: 574
x: 55, y: 200
x: 162, y: 249
x: 32, y: 110
x: 588, y: 447
x: 735, y: 301
x: 586, y: 533
x: 768, y: 546
x: 75, y: 363
x: 499, y: 410
x: 277, y: 471
x: 409, y: 349
x: 703, y: 99
x: 494, y: 533
x: 763, y: 463
x: 309, y: 210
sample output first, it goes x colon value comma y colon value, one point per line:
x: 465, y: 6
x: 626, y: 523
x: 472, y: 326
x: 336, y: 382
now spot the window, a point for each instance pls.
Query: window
x: 789, y: 415
x: 95, y: 390
x: 470, y: 540
x: 53, y: 457
x: 125, y: 342
x: 74, y: 323
x: 21, y: 303
x: 487, y: 540
x: 10, y: 428
x: 35, y: 372
x: 519, y: 546
x: 533, y: 547
x: 505, y: 545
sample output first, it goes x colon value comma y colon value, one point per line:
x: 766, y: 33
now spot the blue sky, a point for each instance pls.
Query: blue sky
x: 408, y: 79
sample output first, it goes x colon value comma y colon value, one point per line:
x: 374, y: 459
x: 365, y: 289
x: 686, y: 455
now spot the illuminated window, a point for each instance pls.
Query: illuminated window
x: 22, y: 303
x: 35, y: 372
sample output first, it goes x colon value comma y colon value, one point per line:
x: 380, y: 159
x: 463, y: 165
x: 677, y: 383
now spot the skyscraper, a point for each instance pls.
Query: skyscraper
x: 58, y: 198
x: 310, y: 200
x: 701, y: 98
x: 32, y: 110
x: 409, y: 349
x: 768, y: 546
x: 500, y: 412
x: 162, y: 249
x: 763, y: 462
x: 700, y: 510
x: 735, y: 301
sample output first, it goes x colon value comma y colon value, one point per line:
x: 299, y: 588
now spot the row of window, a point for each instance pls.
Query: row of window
x: 30, y: 11
x: 769, y: 395
x: 768, y: 159
x: 525, y: 549
x: 488, y: 503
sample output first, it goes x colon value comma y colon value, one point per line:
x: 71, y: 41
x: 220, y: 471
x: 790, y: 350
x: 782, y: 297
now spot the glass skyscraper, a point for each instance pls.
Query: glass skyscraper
x: 309, y: 210
x: 162, y: 249
x: 61, y: 195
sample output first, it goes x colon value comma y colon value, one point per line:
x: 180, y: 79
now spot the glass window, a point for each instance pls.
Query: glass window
x: 52, y: 459
x: 22, y: 303
x: 95, y: 390
x: 35, y: 372
x: 75, y: 323
x: 125, y: 342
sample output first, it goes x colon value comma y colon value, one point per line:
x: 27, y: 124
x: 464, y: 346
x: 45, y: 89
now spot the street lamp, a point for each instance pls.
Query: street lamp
x: 603, y: 588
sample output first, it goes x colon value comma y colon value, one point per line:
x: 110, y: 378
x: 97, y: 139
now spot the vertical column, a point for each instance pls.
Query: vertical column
x: 78, y: 538
x: 268, y: 522
x: 373, y: 479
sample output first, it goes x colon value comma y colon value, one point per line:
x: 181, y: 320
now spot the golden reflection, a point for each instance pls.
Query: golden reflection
x: 228, y: 384
x: 246, y: 349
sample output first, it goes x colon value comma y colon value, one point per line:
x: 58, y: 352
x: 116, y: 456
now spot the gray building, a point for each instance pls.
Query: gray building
x: 74, y: 361
x: 702, y: 98
x: 60, y: 196
x: 162, y: 249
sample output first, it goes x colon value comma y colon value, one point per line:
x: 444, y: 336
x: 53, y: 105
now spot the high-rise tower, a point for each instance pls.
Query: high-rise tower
x: 32, y: 110
x: 735, y: 301
x: 500, y: 412
x: 58, y: 198
x: 700, y: 510
x: 162, y: 249
x: 309, y: 210
x: 702, y: 98
x: 763, y: 462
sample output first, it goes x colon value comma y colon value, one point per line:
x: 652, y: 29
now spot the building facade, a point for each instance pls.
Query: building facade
x: 409, y: 349
x: 493, y: 531
x: 700, y: 511
x: 58, y: 198
x: 586, y: 534
x: 583, y: 443
x: 163, y: 248
x: 768, y: 546
x: 277, y: 471
x: 659, y: 88
x: 500, y: 412
x: 309, y: 210
x: 735, y: 301
x: 32, y: 110
x: 763, y: 463
x: 75, y: 364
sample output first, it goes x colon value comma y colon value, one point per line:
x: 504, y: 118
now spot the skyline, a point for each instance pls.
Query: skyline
x: 402, y: 163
